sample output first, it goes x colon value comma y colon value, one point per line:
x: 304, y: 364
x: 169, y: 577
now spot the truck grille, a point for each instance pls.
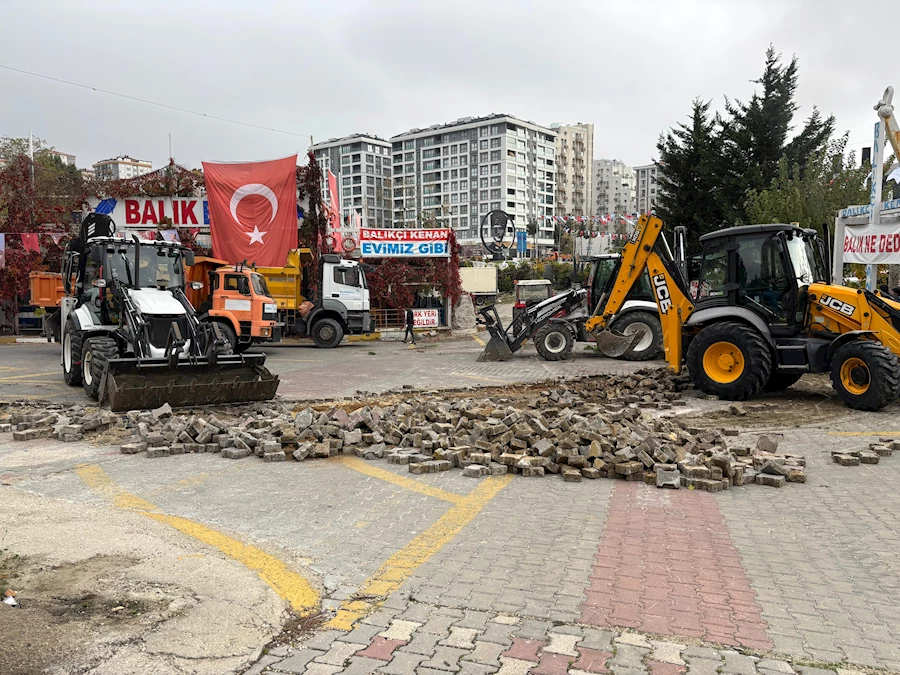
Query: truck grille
x: 159, y: 328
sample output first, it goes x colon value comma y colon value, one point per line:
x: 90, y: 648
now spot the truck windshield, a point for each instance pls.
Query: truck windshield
x: 533, y: 292
x: 808, y: 265
x: 259, y: 284
x: 160, y: 267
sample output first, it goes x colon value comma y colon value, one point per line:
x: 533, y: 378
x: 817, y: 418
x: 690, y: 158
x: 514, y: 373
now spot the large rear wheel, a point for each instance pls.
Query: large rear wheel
x: 230, y: 336
x: 96, y: 354
x: 327, y: 333
x: 650, y: 342
x: 729, y: 360
x: 71, y: 354
x: 554, y: 342
x: 865, y: 375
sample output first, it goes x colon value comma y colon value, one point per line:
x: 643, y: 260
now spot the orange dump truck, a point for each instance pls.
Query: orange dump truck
x: 46, y: 293
x: 237, y: 299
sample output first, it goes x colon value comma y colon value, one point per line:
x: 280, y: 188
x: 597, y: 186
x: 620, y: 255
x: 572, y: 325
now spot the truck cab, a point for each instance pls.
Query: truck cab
x: 238, y: 300
x: 340, y: 305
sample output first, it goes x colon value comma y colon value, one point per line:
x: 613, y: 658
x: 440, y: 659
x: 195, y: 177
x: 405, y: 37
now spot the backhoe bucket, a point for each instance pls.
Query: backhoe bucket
x: 129, y: 385
x: 613, y: 344
x: 496, y: 349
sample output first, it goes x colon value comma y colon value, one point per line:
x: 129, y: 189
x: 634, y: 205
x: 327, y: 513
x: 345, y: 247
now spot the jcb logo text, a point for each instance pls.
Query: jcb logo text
x: 837, y: 305
x: 663, y: 297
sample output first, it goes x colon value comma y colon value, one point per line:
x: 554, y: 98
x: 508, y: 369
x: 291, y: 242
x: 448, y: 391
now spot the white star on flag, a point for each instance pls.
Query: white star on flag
x: 256, y: 235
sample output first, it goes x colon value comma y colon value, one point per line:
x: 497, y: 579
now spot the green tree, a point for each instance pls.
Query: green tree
x: 708, y: 166
x: 688, y: 157
x: 831, y: 181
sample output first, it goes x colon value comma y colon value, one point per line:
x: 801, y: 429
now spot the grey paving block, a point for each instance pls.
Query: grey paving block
x: 359, y: 665
x: 297, y: 662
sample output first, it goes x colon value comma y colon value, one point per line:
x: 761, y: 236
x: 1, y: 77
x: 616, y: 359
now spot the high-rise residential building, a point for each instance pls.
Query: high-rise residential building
x: 362, y: 164
x: 646, y: 187
x: 118, y: 168
x: 614, y: 190
x: 458, y: 172
x: 574, y: 168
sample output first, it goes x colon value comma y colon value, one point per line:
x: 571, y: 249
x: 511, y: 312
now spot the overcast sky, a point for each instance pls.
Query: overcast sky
x: 331, y: 68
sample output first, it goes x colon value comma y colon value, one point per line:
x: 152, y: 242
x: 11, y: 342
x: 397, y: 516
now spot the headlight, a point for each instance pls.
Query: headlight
x: 270, y: 308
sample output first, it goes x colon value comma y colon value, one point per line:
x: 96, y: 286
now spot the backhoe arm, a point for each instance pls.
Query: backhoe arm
x: 641, y: 253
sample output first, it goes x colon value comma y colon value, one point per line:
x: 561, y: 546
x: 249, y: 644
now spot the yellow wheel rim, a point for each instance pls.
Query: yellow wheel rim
x: 855, y: 376
x: 723, y: 362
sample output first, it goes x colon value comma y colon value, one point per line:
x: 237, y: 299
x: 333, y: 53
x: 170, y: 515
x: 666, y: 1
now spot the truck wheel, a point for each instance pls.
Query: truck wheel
x: 650, y: 344
x: 229, y: 335
x: 327, y: 333
x: 730, y: 360
x: 96, y: 354
x: 781, y: 381
x: 554, y: 342
x: 71, y: 354
x: 479, y: 301
x: 865, y: 375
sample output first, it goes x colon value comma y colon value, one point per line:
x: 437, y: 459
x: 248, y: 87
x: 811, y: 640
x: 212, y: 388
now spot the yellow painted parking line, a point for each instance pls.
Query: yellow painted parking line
x: 864, y: 433
x: 483, y: 379
x: 283, y: 580
x: 479, y: 340
x: 22, y: 377
x: 400, y: 566
x: 401, y: 481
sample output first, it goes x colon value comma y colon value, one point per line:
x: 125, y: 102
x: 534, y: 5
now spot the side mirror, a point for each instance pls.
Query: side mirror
x: 197, y: 285
x: 189, y: 258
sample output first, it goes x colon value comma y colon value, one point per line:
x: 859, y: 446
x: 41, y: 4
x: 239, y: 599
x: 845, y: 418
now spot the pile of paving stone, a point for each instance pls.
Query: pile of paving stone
x: 872, y: 455
x: 589, y: 428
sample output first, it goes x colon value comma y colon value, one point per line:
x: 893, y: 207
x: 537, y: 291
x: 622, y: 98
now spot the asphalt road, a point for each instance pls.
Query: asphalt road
x: 33, y: 370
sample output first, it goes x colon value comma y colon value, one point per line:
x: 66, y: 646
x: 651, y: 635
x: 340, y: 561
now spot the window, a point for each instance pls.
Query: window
x: 446, y: 150
x: 495, y: 142
x: 426, y: 154
x: 454, y: 149
x: 357, y: 180
x: 454, y: 199
x: 370, y: 180
x: 495, y: 181
x: 510, y: 168
x: 495, y: 129
x: 464, y: 196
x: 454, y: 161
x: 482, y: 208
x: 346, y: 180
x: 410, y: 168
x: 463, y: 210
x: 495, y: 168
x: 357, y: 190
x: 463, y: 185
x: 483, y: 182
x: 483, y: 145
x: 370, y: 191
x: 483, y: 157
x: 463, y: 160
x: 346, y: 192
x: 495, y: 206
x: 483, y: 131
x: 483, y: 170
x: 454, y: 186
x: 446, y: 187
x: 463, y: 147
x: 347, y: 276
x: 484, y: 194
x: 495, y: 194
x: 763, y: 284
x: 357, y: 168
x: 409, y: 145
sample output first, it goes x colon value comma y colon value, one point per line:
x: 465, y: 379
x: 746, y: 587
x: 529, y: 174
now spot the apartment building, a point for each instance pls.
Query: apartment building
x: 646, y: 187
x: 362, y: 164
x: 574, y: 168
x: 614, y: 187
x: 458, y: 172
x: 122, y: 167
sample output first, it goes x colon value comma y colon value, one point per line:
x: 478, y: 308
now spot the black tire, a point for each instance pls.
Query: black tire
x: 651, y: 343
x: 72, y: 340
x: 96, y: 354
x: 743, y: 367
x: 327, y: 333
x: 781, y: 381
x: 865, y: 375
x: 480, y: 301
x: 554, y: 342
x: 230, y: 336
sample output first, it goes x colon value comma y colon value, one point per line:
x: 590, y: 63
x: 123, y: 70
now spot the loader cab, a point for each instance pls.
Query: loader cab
x: 765, y: 269
x: 602, y: 268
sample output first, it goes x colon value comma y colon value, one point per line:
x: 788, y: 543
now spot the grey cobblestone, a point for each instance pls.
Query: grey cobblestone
x: 628, y: 656
x: 445, y: 658
x: 362, y: 634
x: 360, y: 665
x: 498, y: 633
x: 485, y: 653
x: 473, y: 619
x: 403, y: 663
x: 702, y: 666
x: 297, y: 662
x: 809, y: 670
x: 600, y: 640
x: 468, y: 668
x: 533, y: 630
x: 422, y: 643
x: 739, y: 664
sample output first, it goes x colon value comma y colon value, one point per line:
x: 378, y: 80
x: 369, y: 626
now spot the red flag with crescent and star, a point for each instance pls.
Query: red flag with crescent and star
x: 253, y: 210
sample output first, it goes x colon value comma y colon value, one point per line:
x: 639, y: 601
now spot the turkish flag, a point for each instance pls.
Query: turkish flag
x: 253, y: 210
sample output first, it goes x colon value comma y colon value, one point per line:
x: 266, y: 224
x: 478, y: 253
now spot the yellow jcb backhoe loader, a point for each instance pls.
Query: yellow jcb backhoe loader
x: 762, y: 314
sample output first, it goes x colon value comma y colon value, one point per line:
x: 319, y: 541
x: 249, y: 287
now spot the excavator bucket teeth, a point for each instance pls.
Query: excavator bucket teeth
x: 129, y: 385
x: 496, y: 350
x: 615, y: 345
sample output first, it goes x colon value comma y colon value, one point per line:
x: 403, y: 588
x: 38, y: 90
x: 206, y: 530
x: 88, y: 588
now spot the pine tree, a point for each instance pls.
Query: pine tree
x: 687, y: 164
x: 742, y: 152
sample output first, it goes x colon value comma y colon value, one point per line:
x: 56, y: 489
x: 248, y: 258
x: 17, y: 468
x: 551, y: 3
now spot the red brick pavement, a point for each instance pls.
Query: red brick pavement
x: 666, y: 564
x: 381, y: 648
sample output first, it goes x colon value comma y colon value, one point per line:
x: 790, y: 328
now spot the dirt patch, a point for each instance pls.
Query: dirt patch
x: 809, y: 401
x: 62, y: 610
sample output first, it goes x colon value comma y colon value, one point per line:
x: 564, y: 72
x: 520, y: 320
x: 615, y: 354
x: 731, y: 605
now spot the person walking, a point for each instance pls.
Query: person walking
x: 410, y: 322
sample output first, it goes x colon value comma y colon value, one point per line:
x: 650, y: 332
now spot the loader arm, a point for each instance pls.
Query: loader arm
x: 646, y: 251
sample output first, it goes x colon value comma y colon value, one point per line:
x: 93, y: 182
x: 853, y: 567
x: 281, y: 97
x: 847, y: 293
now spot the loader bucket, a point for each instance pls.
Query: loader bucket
x: 613, y: 344
x: 496, y: 349
x: 129, y: 385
